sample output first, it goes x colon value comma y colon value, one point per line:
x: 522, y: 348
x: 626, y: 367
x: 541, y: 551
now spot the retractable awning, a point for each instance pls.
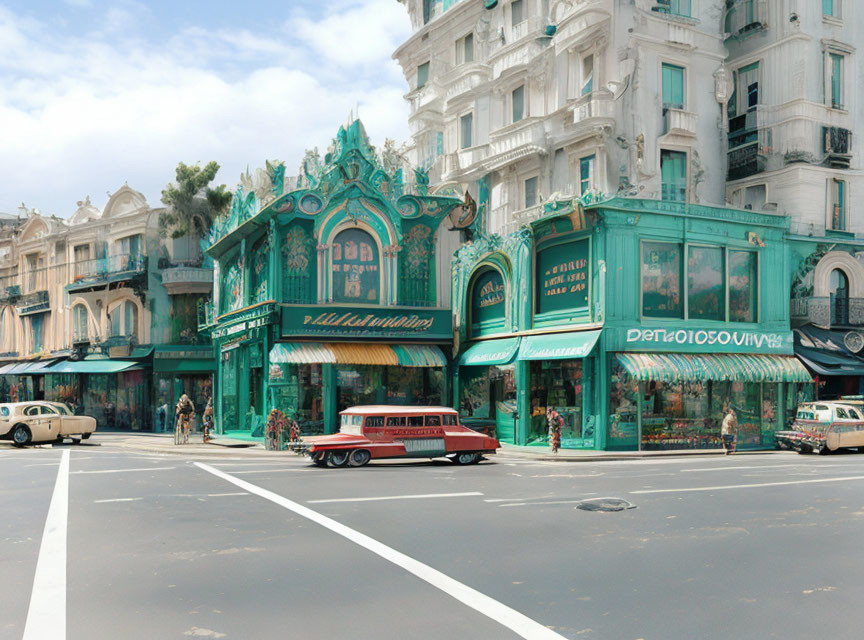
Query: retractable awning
x: 94, y: 366
x: 32, y: 367
x: 682, y: 367
x: 489, y: 352
x: 405, y: 355
x: 558, y: 346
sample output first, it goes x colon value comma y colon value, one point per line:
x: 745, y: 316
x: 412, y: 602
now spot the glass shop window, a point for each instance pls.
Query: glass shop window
x: 706, y: 291
x: 743, y: 286
x: 661, y: 280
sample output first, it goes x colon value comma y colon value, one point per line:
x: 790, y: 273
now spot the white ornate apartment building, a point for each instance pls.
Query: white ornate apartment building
x: 660, y: 99
x: 102, y: 278
x: 796, y: 107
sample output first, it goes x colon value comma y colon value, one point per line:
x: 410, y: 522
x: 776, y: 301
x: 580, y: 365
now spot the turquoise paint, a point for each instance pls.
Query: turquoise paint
x: 617, y: 229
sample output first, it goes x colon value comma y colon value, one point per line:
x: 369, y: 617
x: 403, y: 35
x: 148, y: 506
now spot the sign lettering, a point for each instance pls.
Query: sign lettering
x: 562, y: 277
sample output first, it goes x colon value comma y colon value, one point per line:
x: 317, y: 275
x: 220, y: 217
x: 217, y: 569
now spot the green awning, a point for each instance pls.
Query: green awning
x: 184, y: 365
x: 406, y: 355
x: 558, y: 346
x: 684, y: 367
x: 489, y: 352
x: 93, y: 366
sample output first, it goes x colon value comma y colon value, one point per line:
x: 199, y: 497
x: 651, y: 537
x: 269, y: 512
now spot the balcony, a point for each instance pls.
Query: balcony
x: 828, y: 313
x: 36, y: 302
x: 80, y: 338
x: 749, y: 142
x: 516, y: 141
x: 101, y: 272
x: 597, y: 105
x: 521, y: 218
x: 182, y: 279
x: 464, y: 78
x: 745, y: 17
x: 462, y: 162
x: 678, y: 122
x: 838, y: 146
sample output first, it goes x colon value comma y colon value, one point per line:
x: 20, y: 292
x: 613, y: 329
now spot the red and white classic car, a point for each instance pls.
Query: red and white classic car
x: 374, y: 432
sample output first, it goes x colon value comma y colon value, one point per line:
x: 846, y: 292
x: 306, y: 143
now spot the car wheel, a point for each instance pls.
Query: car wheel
x: 319, y: 459
x: 75, y: 440
x: 86, y: 436
x: 21, y: 435
x: 359, y: 457
x: 466, y: 457
x: 338, y: 458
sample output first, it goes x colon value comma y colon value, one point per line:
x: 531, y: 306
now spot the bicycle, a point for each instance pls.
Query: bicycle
x: 181, y: 428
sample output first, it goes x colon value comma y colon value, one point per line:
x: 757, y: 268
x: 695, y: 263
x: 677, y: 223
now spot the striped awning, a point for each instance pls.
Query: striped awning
x: 405, y: 355
x: 682, y: 367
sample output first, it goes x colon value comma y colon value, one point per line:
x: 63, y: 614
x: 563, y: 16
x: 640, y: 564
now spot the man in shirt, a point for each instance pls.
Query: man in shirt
x: 728, y: 430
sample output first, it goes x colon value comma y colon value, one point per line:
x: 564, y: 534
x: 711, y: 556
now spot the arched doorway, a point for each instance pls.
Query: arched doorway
x: 839, y: 285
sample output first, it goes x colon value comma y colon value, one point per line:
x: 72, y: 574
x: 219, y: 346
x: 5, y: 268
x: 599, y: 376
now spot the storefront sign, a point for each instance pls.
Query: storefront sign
x: 487, y: 297
x: 240, y: 327
x: 374, y: 323
x: 706, y: 340
x: 562, y: 277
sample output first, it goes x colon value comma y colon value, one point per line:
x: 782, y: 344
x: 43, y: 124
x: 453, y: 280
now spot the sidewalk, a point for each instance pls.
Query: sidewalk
x: 163, y: 443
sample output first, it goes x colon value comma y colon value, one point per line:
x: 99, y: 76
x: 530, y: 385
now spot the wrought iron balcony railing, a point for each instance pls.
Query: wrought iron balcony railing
x: 828, y: 312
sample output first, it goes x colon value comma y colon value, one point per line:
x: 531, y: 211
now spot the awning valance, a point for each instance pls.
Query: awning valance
x: 186, y: 365
x: 93, y: 366
x: 682, y: 367
x: 489, y: 352
x: 558, y: 346
x: 405, y: 355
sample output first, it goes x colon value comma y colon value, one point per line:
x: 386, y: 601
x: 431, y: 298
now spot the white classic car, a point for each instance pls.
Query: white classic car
x: 27, y: 422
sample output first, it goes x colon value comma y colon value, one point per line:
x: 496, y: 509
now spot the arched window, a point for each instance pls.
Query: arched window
x: 839, y: 297
x: 356, y: 268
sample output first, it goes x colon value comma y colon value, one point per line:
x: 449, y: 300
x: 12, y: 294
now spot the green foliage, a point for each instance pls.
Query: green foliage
x: 192, y: 204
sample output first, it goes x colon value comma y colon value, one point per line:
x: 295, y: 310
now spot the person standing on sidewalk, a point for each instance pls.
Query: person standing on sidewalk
x: 555, y: 422
x: 729, y: 430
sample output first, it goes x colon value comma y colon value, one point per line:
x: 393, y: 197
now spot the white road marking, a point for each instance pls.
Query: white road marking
x: 531, y: 504
x: 116, y: 500
x: 126, y: 470
x: 750, y: 486
x: 46, y: 617
x: 517, y: 622
x: 268, y: 470
x: 221, y: 495
x: 528, y: 499
x: 763, y: 466
x: 408, y: 497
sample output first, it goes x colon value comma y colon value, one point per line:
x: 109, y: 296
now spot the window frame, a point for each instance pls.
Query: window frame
x: 522, y: 16
x: 525, y: 181
x: 512, y: 100
x: 417, y: 84
x: 462, y: 117
x: 831, y: 100
x: 677, y: 67
x: 684, y: 276
x: 686, y: 154
x: 591, y: 158
x: 840, y: 187
x: 461, y: 49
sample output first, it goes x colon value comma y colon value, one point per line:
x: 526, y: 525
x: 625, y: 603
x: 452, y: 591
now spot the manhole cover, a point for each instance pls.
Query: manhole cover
x: 605, y: 504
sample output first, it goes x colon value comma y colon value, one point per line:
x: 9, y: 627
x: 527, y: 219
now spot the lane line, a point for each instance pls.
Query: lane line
x: 124, y: 470
x: 750, y: 486
x: 764, y: 466
x: 408, y: 497
x: 116, y: 500
x: 46, y: 617
x: 517, y: 622
x: 270, y: 471
x: 531, y: 504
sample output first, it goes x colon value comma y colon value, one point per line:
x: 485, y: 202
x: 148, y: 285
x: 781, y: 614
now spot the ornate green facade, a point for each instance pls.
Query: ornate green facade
x: 345, y: 254
x: 673, y: 285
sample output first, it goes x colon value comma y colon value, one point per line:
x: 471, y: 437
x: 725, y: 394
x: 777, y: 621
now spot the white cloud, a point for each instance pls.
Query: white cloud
x: 84, y: 114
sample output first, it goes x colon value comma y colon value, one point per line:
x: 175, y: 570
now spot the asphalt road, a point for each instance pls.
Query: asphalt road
x: 755, y: 546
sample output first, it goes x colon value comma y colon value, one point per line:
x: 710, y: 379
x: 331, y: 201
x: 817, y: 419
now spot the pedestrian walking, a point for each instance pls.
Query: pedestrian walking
x: 555, y: 422
x: 729, y: 431
x: 207, y: 420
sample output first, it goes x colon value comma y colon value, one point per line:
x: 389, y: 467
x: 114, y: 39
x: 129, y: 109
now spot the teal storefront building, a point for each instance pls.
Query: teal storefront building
x: 641, y: 322
x: 326, y: 293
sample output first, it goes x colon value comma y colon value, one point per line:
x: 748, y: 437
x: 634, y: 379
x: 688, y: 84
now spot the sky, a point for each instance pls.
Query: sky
x: 96, y: 94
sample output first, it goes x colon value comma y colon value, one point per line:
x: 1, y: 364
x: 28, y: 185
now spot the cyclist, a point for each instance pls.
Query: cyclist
x: 185, y: 413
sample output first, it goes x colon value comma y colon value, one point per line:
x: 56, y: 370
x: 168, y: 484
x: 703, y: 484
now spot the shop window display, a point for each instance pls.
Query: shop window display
x: 16, y: 388
x: 688, y: 415
x: 297, y: 389
x: 487, y: 397
x: 557, y: 384
x: 63, y: 387
x: 623, y: 410
x: 743, y: 286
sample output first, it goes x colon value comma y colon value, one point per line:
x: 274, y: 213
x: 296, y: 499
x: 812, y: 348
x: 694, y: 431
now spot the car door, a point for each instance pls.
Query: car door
x: 38, y: 424
x: 51, y: 418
